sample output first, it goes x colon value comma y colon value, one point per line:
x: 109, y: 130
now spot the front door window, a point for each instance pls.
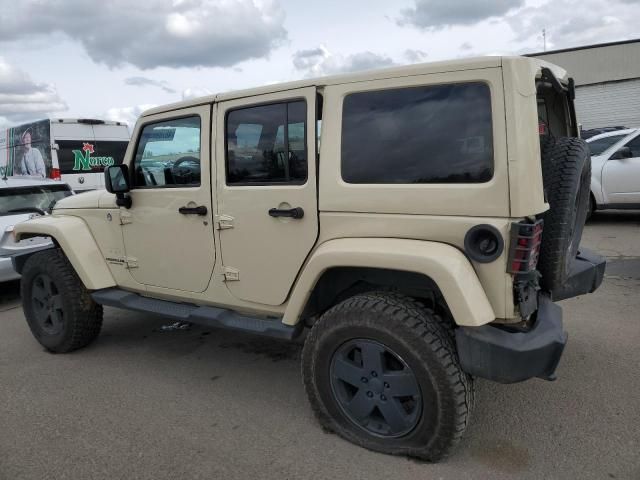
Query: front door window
x: 168, y: 154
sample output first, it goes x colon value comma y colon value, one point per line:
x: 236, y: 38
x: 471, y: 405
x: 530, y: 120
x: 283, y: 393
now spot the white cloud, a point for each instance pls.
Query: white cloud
x: 22, y: 99
x: 195, y: 92
x: 148, y: 82
x: 154, y: 33
x: 415, y: 56
x: 576, y: 22
x: 128, y: 115
x: 319, y: 61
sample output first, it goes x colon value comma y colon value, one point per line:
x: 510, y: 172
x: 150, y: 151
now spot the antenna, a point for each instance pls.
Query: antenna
x: 544, y: 38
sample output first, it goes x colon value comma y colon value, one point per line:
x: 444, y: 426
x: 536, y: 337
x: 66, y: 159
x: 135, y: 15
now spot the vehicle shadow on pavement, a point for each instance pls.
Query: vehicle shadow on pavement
x: 614, y: 217
x: 9, y: 295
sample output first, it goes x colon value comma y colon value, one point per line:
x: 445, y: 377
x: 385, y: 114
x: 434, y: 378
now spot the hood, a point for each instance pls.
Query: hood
x: 7, y: 221
x: 92, y: 199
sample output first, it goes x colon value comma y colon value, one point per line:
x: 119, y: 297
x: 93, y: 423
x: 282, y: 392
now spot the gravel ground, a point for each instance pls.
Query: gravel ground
x: 141, y: 403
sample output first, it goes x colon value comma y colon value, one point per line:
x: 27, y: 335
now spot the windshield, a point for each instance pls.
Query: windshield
x: 601, y: 144
x: 40, y: 198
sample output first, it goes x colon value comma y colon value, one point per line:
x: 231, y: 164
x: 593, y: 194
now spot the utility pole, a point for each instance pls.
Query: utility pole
x: 544, y: 38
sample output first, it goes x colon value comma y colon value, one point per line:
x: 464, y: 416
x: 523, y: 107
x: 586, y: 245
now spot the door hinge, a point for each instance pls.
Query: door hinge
x: 230, y: 274
x: 125, y: 218
x: 131, y: 262
x: 223, y: 222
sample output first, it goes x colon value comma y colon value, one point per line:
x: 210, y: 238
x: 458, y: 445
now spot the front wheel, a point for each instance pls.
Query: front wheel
x: 381, y: 371
x: 59, y: 309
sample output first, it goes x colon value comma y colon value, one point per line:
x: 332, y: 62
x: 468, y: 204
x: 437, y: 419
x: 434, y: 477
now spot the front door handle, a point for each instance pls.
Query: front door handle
x: 201, y: 210
x: 296, y: 212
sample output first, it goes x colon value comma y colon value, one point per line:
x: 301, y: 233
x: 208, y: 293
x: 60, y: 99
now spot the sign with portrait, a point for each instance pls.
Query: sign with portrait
x: 26, y: 150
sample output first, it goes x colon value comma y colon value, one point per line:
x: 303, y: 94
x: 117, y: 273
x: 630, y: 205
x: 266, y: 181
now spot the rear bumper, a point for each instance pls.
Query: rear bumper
x: 507, y: 357
x: 585, y: 275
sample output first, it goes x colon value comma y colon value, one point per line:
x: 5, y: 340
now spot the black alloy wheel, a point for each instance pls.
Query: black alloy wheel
x: 375, y: 388
x: 47, y: 305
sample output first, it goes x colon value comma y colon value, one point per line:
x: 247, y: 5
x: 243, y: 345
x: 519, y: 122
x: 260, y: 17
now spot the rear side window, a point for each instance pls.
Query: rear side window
x: 267, y: 144
x: 78, y: 156
x: 601, y: 144
x: 431, y: 134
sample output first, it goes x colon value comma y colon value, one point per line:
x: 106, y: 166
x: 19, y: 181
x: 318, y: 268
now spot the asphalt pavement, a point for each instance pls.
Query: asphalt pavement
x: 145, y: 402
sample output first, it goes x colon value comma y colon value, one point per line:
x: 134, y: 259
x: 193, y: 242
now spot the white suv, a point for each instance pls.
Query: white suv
x: 615, y: 170
x: 21, y: 199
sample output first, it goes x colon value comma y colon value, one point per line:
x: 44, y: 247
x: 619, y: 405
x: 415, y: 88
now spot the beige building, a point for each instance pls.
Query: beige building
x: 607, y: 78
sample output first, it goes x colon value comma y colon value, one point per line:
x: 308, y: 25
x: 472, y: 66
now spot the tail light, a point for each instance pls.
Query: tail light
x: 542, y: 128
x: 55, y: 174
x: 524, y: 248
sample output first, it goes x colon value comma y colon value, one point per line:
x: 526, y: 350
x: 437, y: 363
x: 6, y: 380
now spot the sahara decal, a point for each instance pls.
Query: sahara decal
x: 116, y: 261
x: 84, y: 161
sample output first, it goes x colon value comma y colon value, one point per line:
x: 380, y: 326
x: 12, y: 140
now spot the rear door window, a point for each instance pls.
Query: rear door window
x: 266, y: 144
x: 429, y: 134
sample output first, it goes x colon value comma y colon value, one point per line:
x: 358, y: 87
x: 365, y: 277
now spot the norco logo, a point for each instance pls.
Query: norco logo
x: 84, y: 161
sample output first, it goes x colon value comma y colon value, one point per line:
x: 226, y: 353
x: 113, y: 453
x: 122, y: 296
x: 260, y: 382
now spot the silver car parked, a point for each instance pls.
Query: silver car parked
x: 23, y: 198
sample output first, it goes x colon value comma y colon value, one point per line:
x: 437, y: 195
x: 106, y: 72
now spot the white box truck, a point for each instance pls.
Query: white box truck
x: 72, y: 150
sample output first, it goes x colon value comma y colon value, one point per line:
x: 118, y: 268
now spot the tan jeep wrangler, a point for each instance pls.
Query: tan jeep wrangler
x: 414, y: 225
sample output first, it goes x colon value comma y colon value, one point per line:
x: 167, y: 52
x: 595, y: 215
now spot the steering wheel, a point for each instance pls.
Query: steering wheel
x: 183, y: 175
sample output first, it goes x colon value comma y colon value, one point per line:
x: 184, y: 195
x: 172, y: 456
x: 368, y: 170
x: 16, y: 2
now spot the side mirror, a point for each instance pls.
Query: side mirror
x: 622, y: 153
x: 116, y: 180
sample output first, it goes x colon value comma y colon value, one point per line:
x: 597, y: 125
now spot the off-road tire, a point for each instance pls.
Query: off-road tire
x: 412, y: 331
x: 81, y: 317
x: 566, y: 172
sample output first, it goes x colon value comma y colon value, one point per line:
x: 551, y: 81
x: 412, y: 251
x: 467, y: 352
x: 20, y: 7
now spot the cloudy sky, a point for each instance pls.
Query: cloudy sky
x: 114, y: 58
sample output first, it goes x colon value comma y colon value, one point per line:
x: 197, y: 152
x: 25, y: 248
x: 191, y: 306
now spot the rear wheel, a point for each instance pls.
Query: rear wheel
x: 381, y: 371
x: 566, y: 171
x: 59, y: 309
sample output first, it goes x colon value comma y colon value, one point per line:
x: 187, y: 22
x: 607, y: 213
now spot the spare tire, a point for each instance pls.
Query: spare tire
x: 566, y: 173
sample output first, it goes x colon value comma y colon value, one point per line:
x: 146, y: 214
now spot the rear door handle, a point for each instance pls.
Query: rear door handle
x: 296, y: 212
x: 201, y: 210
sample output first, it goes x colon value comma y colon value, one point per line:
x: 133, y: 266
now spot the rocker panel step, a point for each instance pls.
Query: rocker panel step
x: 202, y: 315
